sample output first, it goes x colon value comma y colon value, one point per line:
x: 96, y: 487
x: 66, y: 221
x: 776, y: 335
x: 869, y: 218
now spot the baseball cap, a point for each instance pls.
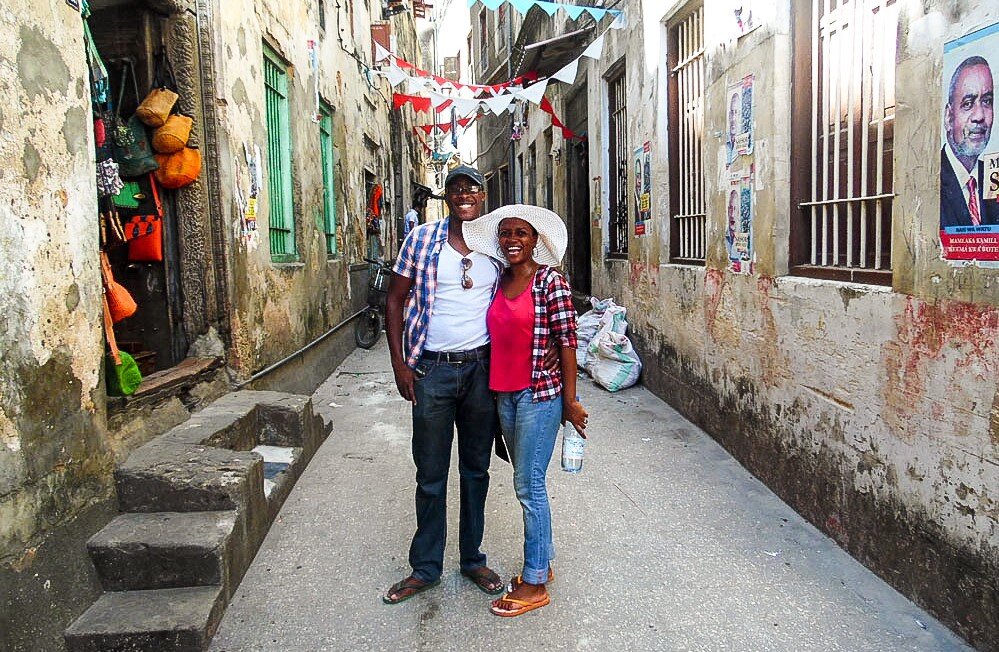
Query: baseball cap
x: 464, y: 171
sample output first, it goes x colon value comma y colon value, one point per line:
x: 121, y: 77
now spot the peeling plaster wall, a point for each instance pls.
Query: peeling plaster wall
x: 278, y: 308
x: 54, y: 461
x: 874, y: 411
x: 51, y: 397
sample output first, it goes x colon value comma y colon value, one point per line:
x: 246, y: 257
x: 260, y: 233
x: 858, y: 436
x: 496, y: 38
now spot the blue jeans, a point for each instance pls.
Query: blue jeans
x: 530, y: 430
x: 449, y: 395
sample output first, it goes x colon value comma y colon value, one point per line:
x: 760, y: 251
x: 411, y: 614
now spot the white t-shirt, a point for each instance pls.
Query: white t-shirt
x: 458, y: 318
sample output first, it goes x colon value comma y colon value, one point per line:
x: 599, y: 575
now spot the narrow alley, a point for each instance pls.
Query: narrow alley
x: 664, y: 543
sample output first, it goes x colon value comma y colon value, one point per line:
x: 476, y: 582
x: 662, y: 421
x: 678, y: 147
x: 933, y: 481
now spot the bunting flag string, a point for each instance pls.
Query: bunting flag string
x: 399, y: 67
x: 567, y: 133
x: 573, y: 11
x: 422, y: 80
x: 444, y: 126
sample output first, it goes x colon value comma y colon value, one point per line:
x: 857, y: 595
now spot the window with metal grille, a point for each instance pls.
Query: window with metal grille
x: 322, y: 14
x: 329, y: 196
x: 281, y: 218
x: 617, y: 149
x: 842, y: 139
x: 685, y: 53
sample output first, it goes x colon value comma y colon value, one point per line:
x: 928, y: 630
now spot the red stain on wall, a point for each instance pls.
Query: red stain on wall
x: 925, y: 331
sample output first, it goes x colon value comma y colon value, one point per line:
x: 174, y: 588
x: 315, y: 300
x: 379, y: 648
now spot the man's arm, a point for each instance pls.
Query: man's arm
x: 399, y: 287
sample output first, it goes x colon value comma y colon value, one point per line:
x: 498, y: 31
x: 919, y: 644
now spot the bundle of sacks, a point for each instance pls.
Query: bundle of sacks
x: 604, y: 351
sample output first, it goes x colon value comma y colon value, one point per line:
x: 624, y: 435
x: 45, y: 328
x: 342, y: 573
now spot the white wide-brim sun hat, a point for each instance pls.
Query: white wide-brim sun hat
x: 481, y: 234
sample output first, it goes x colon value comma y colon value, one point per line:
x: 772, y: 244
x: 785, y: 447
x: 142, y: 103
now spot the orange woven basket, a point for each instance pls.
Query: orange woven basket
x: 179, y: 169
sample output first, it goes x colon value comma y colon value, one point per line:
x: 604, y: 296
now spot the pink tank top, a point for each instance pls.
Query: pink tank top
x: 511, y: 332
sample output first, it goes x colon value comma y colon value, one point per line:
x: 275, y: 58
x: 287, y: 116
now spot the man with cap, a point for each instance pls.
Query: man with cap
x: 436, y: 326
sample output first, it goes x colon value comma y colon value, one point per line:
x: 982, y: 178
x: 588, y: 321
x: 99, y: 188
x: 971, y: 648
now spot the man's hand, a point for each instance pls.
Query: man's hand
x: 404, y: 381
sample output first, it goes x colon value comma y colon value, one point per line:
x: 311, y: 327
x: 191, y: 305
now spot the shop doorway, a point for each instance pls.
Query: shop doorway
x: 129, y: 40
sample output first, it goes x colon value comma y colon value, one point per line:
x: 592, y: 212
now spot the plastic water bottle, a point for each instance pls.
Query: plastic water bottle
x: 572, y: 449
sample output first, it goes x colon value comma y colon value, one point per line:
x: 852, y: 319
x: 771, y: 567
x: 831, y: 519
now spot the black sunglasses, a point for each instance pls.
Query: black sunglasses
x: 466, y: 280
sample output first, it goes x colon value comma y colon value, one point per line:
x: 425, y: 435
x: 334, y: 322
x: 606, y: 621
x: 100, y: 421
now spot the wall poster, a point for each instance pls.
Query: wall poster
x: 643, y: 187
x: 969, y: 152
x: 740, y: 166
x: 739, y: 226
x: 739, y: 132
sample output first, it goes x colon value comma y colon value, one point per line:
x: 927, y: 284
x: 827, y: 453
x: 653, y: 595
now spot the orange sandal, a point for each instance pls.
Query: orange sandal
x: 522, y: 607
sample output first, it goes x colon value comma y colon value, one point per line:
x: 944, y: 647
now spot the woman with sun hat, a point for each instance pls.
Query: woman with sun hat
x: 531, y: 312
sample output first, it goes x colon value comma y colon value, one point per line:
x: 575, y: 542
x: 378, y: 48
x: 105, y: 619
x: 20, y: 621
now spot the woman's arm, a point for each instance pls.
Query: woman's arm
x: 572, y: 409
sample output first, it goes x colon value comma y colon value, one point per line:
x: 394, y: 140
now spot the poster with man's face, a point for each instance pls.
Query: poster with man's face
x: 969, y: 150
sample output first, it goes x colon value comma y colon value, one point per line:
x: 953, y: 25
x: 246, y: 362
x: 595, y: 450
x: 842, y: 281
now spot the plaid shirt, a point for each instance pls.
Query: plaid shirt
x: 418, y: 261
x: 554, y: 319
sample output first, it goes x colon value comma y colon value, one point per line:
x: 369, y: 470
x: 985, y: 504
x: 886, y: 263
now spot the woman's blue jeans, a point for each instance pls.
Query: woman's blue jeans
x: 530, y: 430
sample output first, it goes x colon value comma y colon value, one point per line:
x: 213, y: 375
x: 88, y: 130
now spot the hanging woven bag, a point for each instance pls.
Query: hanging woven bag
x: 156, y: 108
x: 121, y: 305
x: 173, y: 135
x: 178, y: 169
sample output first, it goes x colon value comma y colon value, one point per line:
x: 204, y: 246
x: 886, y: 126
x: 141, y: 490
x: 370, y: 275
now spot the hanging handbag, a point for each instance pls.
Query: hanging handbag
x: 173, y: 135
x: 155, y: 109
x: 145, y: 232
x: 123, y: 377
x: 145, y: 239
x: 178, y: 169
x: 129, y: 196
x: 120, y: 303
x: 132, y: 150
x: 108, y: 178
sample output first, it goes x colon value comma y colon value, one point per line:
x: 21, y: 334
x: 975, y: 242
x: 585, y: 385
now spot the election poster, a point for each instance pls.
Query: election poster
x: 739, y: 115
x: 739, y: 225
x: 969, y: 151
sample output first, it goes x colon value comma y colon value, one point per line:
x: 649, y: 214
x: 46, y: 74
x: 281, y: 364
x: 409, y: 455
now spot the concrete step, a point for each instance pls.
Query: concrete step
x: 165, y: 476
x: 164, y: 550
x: 182, y: 619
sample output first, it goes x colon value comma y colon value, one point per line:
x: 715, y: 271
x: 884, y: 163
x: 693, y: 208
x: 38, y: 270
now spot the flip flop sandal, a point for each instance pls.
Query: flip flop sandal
x: 406, y: 589
x: 487, y: 580
x: 522, y: 606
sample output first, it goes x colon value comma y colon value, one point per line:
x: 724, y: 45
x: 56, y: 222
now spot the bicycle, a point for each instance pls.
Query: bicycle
x: 370, y: 322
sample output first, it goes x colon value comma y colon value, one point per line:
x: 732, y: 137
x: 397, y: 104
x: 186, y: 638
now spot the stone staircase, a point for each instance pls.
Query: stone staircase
x: 196, y: 503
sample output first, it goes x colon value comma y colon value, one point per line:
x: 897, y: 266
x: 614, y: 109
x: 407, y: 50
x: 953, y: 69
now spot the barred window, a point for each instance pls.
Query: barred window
x: 685, y: 54
x: 842, y: 139
x: 281, y: 218
x: 617, y: 150
x: 329, y: 198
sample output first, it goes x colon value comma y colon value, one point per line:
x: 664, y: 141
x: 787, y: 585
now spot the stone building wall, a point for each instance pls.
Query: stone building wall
x: 872, y: 410
x: 54, y: 461
x: 58, y: 444
x: 279, y: 307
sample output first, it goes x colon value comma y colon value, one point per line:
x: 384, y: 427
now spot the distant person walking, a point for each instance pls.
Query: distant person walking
x: 531, y: 312
x: 409, y: 221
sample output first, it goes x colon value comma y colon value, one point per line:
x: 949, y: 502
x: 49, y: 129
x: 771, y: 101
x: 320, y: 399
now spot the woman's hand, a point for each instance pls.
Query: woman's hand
x: 573, y: 412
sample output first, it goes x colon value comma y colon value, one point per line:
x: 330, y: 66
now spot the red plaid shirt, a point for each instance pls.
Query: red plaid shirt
x: 554, y: 320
